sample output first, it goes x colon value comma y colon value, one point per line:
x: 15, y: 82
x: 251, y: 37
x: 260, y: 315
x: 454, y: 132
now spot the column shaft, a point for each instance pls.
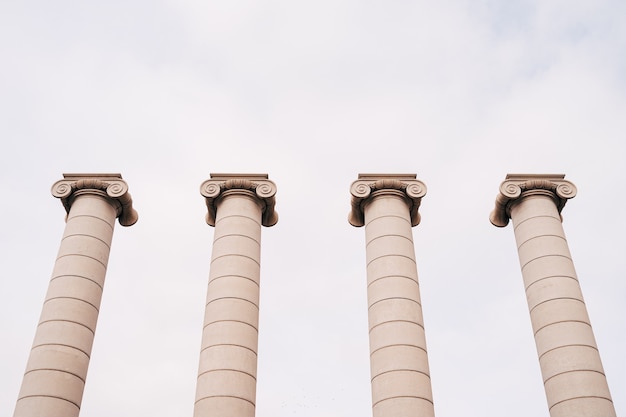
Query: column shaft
x: 573, y: 375
x: 399, y: 364
x: 57, y: 367
x: 387, y: 205
x: 228, y: 360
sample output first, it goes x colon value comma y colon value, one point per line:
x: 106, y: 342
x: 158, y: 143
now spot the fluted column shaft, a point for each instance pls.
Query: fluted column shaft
x: 226, y: 385
x: 401, y: 385
x: 57, y: 367
x: 573, y: 376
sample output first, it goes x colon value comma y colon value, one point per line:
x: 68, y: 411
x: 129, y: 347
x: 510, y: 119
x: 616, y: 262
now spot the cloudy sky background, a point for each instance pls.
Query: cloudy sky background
x: 312, y: 93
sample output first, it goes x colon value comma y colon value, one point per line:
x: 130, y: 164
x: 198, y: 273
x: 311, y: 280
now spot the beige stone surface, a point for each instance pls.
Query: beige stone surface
x: 564, y: 333
x: 65, y: 333
x: 54, y: 407
x: 568, y: 359
x: 387, y: 205
x: 230, y: 333
x: 553, y: 288
x: 397, y: 333
x: 57, y: 367
x: 67, y: 359
x: 557, y: 311
x: 237, y: 358
x: 401, y: 383
x: 573, y: 376
x: 576, y: 384
x: 238, y: 205
x: 547, y: 267
x: 244, y: 289
x: 389, y: 358
x: 389, y: 287
x: 222, y: 406
x: 404, y: 407
x: 583, y: 407
x: 226, y: 383
x: 54, y: 383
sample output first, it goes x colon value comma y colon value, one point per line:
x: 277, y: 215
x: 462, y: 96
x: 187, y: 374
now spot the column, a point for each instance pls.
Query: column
x: 387, y: 205
x: 238, y: 205
x: 573, y: 376
x: 57, y: 367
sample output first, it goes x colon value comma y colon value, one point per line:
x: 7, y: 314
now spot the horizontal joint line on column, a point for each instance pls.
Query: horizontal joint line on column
x: 66, y: 321
x: 237, y: 235
x: 394, y: 276
x: 398, y: 344
x: 556, y: 299
x: 61, y: 344
x: 55, y: 370
x: 582, y: 397
x: 229, y: 370
x: 230, y: 321
x: 548, y: 277
x: 85, y: 256
x: 560, y: 322
x: 387, y: 216
x: 238, y: 215
x: 564, y: 346
x: 228, y: 344
x: 224, y: 396
x: 540, y: 236
x: 77, y: 276
x: 232, y: 276
x: 574, y: 370
x: 236, y: 254
x: 546, y: 256
x: 400, y: 370
x: 402, y: 396
x: 394, y: 298
x: 232, y: 298
x: 50, y: 396
x: 388, y: 235
x: 86, y: 235
x: 391, y: 254
x: 535, y: 217
x: 93, y: 217
x: 71, y: 298
x: 397, y: 321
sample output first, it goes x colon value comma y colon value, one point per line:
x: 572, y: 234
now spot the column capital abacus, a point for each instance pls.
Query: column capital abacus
x: 517, y: 186
x: 257, y: 184
x: 109, y: 185
x: 370, y: 185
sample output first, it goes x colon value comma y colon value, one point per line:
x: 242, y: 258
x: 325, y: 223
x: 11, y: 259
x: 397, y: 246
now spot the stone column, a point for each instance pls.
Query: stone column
x: 57, y: 367
x: 573, y: 376
x: 238, y: 204
x: 387, y: 205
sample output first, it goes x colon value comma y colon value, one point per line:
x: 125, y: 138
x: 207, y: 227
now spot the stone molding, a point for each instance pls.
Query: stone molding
x: 370, y: 185
x: 517, y: 186
x: 109, y: 185
x: 257, y: 184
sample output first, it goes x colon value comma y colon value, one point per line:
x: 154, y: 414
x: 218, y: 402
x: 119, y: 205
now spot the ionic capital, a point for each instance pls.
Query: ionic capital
x: 518, y: 186
x: 369, y: 186
x: 258, y: 185
x: 108, y: 185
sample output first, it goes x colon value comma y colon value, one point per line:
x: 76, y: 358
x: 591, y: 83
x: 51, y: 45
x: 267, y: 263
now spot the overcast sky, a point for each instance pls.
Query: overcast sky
x: 312, y: 93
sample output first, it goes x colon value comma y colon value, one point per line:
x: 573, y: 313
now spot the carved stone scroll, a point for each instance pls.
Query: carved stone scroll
x: 515, y: 185
x: 258, y: 184
x: 112, y: 185
x: 368, y: 184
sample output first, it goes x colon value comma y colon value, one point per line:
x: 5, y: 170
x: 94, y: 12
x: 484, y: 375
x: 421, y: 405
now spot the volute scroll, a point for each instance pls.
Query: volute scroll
x: 111, y: 185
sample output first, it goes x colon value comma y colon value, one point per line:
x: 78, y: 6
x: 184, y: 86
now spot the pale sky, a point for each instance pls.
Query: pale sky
x: 312, y: 93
